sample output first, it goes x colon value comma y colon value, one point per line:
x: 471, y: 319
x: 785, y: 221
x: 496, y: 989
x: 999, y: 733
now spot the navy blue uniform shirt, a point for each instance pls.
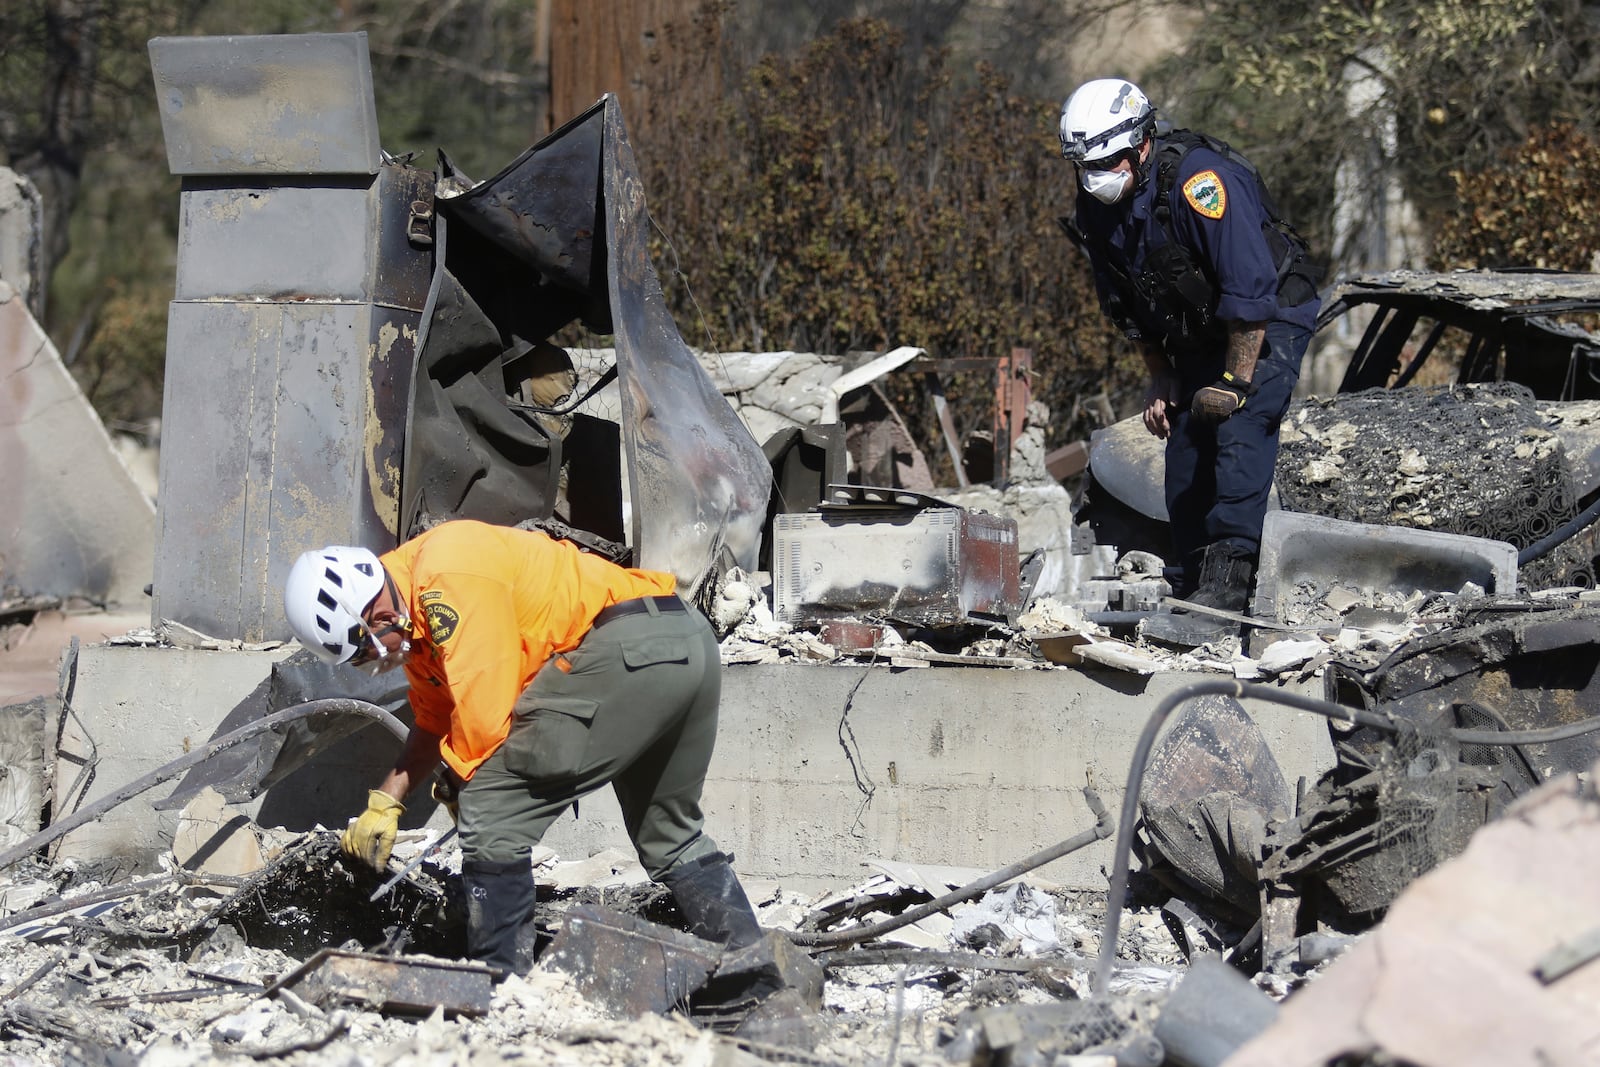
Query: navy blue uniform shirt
x: 1218, y: 216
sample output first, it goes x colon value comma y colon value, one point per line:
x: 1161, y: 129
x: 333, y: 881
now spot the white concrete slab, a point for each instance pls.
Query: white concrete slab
x: 956, y: 766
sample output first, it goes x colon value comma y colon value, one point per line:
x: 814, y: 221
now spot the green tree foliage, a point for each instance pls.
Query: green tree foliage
x: 1530, y: 208
x: 78, y: 117
x: 851, y: 197
x: 1445, y: 85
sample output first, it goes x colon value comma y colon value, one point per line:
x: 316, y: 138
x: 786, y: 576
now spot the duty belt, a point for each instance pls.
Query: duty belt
x: 635, y: 607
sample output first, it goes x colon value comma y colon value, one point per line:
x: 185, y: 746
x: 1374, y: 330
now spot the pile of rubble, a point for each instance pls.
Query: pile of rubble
x: 191, y: 967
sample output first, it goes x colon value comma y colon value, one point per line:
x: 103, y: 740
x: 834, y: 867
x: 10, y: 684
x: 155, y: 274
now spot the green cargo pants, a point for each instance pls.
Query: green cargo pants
x: 636, y: 706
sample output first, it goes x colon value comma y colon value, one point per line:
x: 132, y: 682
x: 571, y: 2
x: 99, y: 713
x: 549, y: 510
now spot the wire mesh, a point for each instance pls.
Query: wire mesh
x: 1419, y: 819
x: 1466, y: 459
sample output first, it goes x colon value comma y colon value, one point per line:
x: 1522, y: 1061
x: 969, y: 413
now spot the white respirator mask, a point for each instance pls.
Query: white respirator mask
x: 1106, y: 186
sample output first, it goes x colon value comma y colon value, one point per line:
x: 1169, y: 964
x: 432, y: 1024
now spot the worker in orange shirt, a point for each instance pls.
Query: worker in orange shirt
x: 537, y: 673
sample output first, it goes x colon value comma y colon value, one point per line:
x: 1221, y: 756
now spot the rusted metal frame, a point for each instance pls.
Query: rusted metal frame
x: 413, y: 986
x: 1013, y: 391
x: 332, y: 705
x: 1103, y: 828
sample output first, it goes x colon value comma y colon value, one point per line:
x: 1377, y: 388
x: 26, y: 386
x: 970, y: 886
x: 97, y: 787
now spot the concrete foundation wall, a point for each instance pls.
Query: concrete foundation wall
x: 968, y: 767
x: 965, y: 767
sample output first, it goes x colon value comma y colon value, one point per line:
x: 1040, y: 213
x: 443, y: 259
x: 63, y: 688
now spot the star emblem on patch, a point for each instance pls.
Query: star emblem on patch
x: 1206, y: 194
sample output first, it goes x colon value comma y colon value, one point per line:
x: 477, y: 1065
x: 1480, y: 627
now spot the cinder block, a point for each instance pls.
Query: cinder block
x: 1312, y: 548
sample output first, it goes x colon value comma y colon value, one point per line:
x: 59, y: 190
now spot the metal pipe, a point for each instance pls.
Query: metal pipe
x: 1242, y: 691
x: 328, y: 706
x: 1565, y: 532
x: 1103, y: 828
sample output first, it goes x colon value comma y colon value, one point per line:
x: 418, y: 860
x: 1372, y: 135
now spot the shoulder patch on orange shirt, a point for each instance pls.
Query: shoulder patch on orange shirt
x: 1206, y: 194
x: 442, y: 621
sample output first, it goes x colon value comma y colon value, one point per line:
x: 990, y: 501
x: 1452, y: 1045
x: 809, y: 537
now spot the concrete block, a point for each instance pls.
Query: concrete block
x: 948, y: 766
x: 136, y: 709
x: 1298, y: 548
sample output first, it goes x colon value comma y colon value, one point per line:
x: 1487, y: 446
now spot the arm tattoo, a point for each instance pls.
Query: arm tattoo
x: 1244, y: 347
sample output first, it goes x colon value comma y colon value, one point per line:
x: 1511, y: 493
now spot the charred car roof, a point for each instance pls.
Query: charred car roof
x: 1510, y: 321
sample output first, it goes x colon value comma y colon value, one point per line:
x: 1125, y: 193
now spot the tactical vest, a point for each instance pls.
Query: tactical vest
x: 1172, y: 299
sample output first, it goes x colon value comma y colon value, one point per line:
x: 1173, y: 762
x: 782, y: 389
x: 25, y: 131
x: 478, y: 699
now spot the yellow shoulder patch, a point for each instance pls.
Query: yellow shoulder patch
x: 1206, y: 194
x: 442, y: 621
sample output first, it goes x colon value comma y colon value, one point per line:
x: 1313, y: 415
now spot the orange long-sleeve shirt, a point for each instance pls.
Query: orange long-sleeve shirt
x: 490, y: 606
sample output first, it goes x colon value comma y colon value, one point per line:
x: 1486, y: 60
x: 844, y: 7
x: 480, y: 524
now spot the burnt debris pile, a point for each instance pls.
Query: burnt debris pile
x: 1475, y: 460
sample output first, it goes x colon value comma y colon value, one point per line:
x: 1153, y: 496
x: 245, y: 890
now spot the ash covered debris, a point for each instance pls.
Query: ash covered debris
x: 1474, y: 459
x: 191, y: 968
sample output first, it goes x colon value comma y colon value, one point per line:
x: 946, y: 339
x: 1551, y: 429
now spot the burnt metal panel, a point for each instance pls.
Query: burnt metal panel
x: 291, y: 240
x: 569, y: 217
x: 699, y: 481
x: 403, y: 268
x: 277, y: 104
x: 281, y: 432
x: 276, y: 242
x: 932, y: 567
x: 630, y: 965
x: 545, y: 208
x: 397, y: 985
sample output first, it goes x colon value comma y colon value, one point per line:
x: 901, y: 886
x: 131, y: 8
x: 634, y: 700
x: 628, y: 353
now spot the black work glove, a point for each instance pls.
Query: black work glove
x: 447, y: 791
x: 1220, y: 399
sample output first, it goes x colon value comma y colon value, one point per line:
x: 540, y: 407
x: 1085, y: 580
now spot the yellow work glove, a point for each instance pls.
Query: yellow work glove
x: 371, y: 837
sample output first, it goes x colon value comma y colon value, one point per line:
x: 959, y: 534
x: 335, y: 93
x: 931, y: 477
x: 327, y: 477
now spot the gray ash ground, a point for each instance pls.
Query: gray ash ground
x: 174, y: 975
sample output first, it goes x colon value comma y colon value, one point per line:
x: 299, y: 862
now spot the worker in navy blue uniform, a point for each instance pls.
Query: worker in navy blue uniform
x: 1192, y: 263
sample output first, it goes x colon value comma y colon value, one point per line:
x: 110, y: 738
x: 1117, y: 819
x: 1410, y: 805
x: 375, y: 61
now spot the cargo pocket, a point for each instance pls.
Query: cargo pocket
x: 549, y: 740
x: 648, y: 651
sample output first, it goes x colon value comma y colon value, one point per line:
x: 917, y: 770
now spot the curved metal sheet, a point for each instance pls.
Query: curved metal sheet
x: 699, y: 481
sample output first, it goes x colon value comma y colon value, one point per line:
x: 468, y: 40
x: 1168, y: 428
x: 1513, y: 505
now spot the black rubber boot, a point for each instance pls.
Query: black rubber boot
x: 1226, y: 571
x: 716, y: 909
x: 1225, y: 576
x: 500, y: 898
x: 713, y: 902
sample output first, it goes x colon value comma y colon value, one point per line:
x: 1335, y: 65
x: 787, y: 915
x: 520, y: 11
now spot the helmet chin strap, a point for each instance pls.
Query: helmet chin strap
x: 400, y: 606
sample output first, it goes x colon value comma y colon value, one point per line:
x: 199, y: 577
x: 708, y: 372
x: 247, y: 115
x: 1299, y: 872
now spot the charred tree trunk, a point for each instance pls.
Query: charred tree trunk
x: 51, y: 151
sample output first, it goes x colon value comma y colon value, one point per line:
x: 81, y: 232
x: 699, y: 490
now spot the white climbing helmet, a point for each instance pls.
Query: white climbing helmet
x: 325, y: 595
x: 1104, y: 117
